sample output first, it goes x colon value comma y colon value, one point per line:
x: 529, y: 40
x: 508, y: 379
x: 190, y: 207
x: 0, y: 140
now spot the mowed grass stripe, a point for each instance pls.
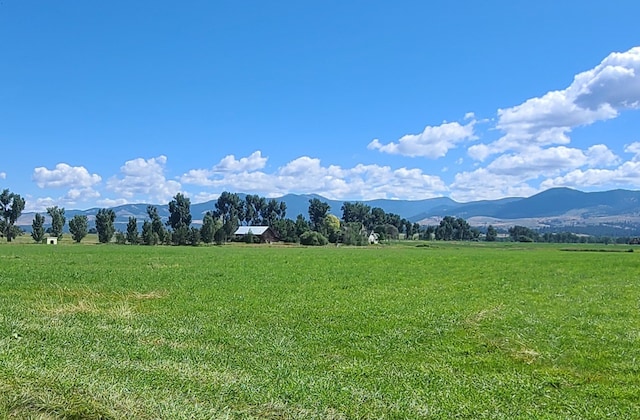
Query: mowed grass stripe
x: 441, y: 331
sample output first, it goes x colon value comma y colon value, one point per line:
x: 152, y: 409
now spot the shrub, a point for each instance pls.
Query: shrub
x: 313, y: 238
x: 121, y: 239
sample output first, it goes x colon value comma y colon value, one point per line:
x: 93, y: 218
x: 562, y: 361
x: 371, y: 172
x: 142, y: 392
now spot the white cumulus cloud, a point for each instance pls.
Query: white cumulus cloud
x: 308, y: 175
x: 64, y: 175
x: 601, y: 155
x: 633, y: 148
x: 538, y: 162
x: 482, y: 184
x: 434, y: 141
x: 144, y: 179
x: 594, y: 95
x: 3, y: 175
x: 627, y: 174
x: 227, y: 166
x: 250, y: 163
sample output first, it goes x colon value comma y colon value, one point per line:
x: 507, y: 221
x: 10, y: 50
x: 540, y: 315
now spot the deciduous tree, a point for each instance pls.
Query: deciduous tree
x: 209, y: 228
x: 11, y: 206
x: 180, y: 218
x: 132, y: 231
x: 149, y: 237
x: 78, y: 227
x: 194, y: 236
x: 492, y: 234
x: 57, y: 220
x: 104, y: 224
x: 523, y: 234
x: 37, y: 228
x: 356, y: 212
x: 157, y: 227
x: 286, y: 229
x: 331, y: 228
x: 318, y: 210
x: 230, y: 209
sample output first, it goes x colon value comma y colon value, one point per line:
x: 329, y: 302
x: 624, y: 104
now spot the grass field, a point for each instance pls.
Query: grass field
x: 439, y: 331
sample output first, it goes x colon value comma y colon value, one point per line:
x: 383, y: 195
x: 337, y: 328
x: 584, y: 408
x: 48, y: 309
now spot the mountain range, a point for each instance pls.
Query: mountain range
x: 614, y: 211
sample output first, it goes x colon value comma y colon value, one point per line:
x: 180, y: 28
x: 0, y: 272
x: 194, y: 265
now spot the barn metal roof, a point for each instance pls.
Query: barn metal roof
x: 256, y: 230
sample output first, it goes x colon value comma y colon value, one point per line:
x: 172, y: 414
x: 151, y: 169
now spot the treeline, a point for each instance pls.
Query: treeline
x: 360, y: 224
x: 457, y: 229
x: 525, y: 234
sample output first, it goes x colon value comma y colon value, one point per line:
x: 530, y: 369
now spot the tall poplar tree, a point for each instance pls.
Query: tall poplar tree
x: 11, y: 206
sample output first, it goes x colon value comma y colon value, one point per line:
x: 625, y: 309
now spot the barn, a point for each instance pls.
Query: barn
x: 264, y: 233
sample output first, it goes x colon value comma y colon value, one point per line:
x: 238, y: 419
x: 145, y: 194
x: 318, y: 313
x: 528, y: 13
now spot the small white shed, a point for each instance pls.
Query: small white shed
x: 52, y: 240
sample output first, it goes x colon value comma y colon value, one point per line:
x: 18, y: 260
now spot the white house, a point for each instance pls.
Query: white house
x: 52, y: 240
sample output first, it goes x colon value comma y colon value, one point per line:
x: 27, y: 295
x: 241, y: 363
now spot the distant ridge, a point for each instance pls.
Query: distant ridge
x: 556, y: 207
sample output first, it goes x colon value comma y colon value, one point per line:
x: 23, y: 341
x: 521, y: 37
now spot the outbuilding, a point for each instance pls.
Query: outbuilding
x: 264, y: 233
x: 52, y: 240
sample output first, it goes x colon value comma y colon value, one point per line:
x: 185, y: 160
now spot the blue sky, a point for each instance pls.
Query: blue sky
x: 106, y: 103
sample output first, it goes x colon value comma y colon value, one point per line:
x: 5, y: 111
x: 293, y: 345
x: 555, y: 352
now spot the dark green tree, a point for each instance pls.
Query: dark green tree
x: 356, y: 212
x: 157, y: 227
x: 417, y: 229
x: 209, y: 228
x: 180, y: 235
x: 429, y: 233
x: 408, y: 229
x: 37, y: 228
x: 395, y: 220
x: 11, y: 206
x: 492, y: 234
x: 254, y: 207
x: 318, y: 211
x: 378, y: 217
x: 286, y: 230
x: 194, y: 236
x: 220, y: 236
x: 302, y: 225
x: 180, y: 218
x: 149, y: 237
x: 57, y: 220
x: 523, y: 234
x: 353, y: 233
x: 78, y: 226
x: 121, y: 238
x: 229, y: 209
x: 455, y: 229
x: 273, y: 211
x: 391, y: 231
x: 249, y: 237
x: 104, y: 224
x: 132, y: 231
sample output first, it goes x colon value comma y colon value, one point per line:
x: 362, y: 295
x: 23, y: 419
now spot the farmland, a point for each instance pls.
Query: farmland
x: 401, y: 331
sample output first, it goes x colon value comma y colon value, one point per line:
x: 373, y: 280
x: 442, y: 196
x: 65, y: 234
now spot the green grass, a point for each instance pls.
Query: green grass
x: 448, y: 330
